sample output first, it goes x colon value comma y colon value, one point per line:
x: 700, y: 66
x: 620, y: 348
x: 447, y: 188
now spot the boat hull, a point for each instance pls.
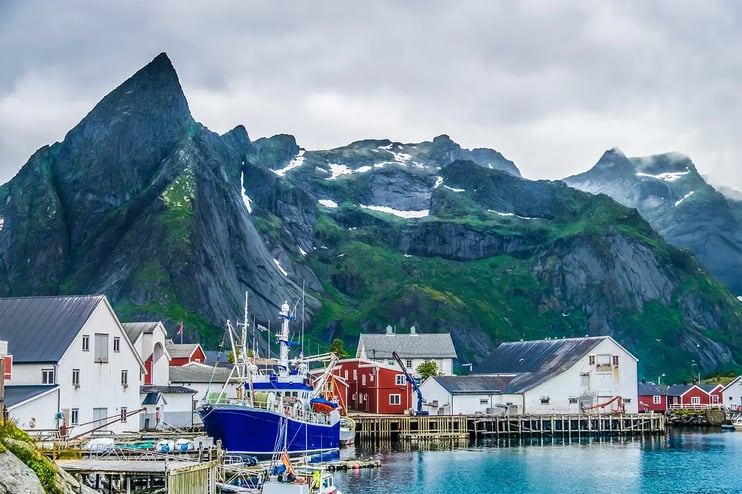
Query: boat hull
x: 259, y: 432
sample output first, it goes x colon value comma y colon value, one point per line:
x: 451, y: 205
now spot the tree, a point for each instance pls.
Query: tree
x: 338, y: 348
x: 428, y: 369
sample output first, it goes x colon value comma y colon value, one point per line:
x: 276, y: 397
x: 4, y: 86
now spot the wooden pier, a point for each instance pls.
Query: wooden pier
x: 120, y: 473
x: 377, y: 428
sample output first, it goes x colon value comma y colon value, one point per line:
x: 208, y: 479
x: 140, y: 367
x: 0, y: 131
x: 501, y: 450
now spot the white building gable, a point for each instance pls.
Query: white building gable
x: 732, y: 394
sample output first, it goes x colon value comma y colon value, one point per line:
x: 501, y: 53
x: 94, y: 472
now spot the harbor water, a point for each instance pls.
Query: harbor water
x: 680, y: 462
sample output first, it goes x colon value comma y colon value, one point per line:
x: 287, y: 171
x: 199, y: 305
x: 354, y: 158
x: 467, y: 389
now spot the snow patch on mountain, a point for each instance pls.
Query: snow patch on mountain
x: 402, y: 214
x: 686, y: 196
x: 296, y: 162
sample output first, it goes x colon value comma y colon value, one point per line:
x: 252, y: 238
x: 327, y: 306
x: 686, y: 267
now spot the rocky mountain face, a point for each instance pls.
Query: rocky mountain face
x: 144, y: 204
x: 174, y: 222
x: 669, y: 193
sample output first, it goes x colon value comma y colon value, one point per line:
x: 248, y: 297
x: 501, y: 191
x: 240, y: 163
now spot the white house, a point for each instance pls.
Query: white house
x: 150, y: 341
x: 73, y: 365
x: 165, y: 406
x: 413, y: 349
x: 571, y: 375
x: 732, y: 394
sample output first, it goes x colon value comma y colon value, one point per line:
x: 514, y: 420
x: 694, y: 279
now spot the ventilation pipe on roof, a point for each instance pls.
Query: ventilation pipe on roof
x: 389, y: 330
x: 412, y: 330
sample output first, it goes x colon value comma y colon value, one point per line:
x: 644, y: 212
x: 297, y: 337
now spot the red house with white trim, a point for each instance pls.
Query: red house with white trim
x: 374, y: 387
x: 652, y: 398
x: 185, y: 353
x: 695, y: 396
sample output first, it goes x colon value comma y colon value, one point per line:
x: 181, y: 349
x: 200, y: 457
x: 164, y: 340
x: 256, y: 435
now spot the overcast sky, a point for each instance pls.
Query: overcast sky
x: 549, y: 84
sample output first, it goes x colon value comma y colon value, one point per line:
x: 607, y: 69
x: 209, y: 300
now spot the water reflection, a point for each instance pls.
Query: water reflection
x: 684, y: 462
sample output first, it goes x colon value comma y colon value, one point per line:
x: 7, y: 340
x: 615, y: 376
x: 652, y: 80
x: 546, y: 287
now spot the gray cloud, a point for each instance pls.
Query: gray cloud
x: 551, y: 85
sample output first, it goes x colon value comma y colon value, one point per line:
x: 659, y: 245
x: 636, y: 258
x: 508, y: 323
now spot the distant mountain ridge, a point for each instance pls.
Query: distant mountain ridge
x: 669, y: 193
x: 175, y: 222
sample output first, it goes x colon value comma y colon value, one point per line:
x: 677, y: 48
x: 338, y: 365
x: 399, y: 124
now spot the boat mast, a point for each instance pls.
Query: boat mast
x: 283, y: 339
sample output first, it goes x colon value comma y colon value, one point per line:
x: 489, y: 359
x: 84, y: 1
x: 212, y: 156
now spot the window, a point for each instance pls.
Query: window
x: 75, y: 416
x: 371, y: 378
x: 101, y: 348
x: 695, y: 400
x: 626, y: 400
x: 123, y: 414
x: 116, y: 344
x: 615, y: 361
x: 714, y: 399
x: 76, y: 378
x: 545, y: 400
x: 603, y: 363
x: 99, y: 418
x: 363, y: 379
x: 125, y: 378
x: 346, y: 374
x: 484, y: 401
x: 399, y: 380
x: 409, y: 363
x: 85, y: 343
x: 395, y: 399
x: 47, y: 376
x: 657, y: 399
x: 585, y: 379
x: 355, y: 375
x: 592, y: 359
x: 572, y: 400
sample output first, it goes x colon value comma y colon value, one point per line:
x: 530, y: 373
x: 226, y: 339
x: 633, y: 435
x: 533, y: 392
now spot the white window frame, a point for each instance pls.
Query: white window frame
x: 116, y: 344
x: 76, y: 378
x: 47, y: 376
x: 75, y: 416
x: 400, y: 380
x: 85, y: 343
x: 125, y: 378
x: 101, y: 348
x: 657, y: 400
x: 395, y: 399
x: 363, y: 379
x: 695, y: 400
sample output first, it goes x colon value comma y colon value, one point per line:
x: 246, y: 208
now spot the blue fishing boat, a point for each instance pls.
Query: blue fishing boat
x: 275, y: 406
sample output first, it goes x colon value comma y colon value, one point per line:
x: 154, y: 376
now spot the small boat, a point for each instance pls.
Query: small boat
x: 285, y: 478
x: 282, y: 402
x: 347, y: 431
x: 737, y: 424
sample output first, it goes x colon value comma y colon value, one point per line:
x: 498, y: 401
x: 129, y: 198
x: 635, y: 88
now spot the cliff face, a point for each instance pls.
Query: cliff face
x: 174, y: 222
x: 669, y: 193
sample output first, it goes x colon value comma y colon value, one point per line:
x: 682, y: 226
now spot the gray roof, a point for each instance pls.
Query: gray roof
x: 166, y: 390
x: 180, y: 350
x: 474, y: 384
x: 420, y: 345
x: 18, y: 394
x: 533, y: 362
x: 651, y: 389
x: 40, y: 329
x: 135, y: 329
x: 195, y: 373
x: 678, y: 389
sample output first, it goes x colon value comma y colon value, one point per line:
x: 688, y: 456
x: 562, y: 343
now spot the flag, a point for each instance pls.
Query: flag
x: 287, y: 463
x: 180, y: 328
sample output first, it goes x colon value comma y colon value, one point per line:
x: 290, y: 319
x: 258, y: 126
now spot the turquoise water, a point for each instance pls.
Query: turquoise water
x: 678, y: 463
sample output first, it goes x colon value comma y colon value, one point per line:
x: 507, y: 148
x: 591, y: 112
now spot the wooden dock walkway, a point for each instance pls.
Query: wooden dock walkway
x: 464, y: 427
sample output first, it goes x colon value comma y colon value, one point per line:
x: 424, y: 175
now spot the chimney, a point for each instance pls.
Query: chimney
x: 412, y: 330
x: 389, y: 331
